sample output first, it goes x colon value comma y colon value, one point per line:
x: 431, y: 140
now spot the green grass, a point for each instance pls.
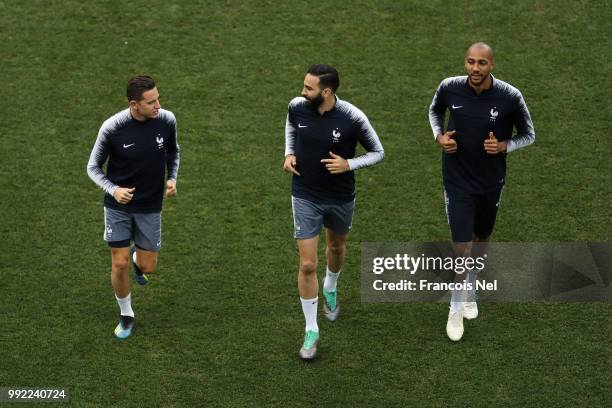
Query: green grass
x: 221, y: 324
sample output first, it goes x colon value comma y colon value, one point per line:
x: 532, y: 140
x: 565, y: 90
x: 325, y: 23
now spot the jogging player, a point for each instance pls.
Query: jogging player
x: 483, y: 111
x: 140, y: 144
x: 321, y: 135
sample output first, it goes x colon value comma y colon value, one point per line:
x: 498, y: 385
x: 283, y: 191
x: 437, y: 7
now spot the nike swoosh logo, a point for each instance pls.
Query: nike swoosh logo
x: 300, y: 126
x: 457, y: 107
x: 126, y: 146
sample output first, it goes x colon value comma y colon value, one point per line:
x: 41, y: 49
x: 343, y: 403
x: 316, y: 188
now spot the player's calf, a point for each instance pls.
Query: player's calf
x: 139, y: 269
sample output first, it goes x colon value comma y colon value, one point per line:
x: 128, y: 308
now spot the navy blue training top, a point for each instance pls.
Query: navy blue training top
x: 473, y: 116
x: 138, y: 154
x: 310, y: 136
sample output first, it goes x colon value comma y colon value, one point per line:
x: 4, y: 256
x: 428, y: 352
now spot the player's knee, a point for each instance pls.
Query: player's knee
x: 308, y: 267
x: 121, y: 264
x: 147, y: 266
x: 462, y: 248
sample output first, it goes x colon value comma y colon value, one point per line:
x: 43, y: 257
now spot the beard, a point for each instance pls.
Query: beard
x: 479, y: 81
x: 317, y: 100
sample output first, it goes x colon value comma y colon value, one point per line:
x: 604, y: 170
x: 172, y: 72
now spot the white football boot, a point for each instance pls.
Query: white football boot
x: 470, y: 310
x: 454, y: 325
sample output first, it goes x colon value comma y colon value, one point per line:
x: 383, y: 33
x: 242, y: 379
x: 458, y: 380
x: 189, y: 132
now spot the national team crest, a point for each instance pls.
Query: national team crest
x: 160, y: 141
x: 493, y: 114
x: 336, y: 135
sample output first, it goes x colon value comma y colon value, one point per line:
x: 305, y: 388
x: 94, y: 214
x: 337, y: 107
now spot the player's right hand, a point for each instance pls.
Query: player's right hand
x: 124, y: 195
x: 290, y: 163
x: 447, y: 143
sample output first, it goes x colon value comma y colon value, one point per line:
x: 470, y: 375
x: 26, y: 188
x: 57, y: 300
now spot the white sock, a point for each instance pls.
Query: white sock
x: 457, y: 299
x: 471, y: 278
x: 309, y: 307
x: 331, y: 280
x: 126, y: 305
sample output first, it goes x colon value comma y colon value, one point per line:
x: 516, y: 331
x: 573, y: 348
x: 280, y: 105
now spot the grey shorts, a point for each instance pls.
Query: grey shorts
x: 122, y: 227
x: 309, y: 218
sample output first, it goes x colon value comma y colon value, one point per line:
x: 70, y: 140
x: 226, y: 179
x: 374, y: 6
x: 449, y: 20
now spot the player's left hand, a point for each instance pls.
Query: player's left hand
x: 336, y: 164
x: 170, y: 188
x: 494, y: 146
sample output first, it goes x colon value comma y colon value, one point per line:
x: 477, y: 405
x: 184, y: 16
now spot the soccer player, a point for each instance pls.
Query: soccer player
x: 483, y: 112
x: 140, y: 143
x: 321, y: 134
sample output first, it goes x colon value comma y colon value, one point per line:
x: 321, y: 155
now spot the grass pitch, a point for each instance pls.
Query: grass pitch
x: 221, y: 324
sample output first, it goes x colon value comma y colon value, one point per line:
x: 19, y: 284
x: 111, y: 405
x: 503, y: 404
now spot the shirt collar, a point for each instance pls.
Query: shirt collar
x: 333, y: 107
x: 467, y: 83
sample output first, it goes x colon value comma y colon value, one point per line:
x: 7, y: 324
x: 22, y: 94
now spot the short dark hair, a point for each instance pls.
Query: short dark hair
x: 328, y: 76
x: 139, y: 85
